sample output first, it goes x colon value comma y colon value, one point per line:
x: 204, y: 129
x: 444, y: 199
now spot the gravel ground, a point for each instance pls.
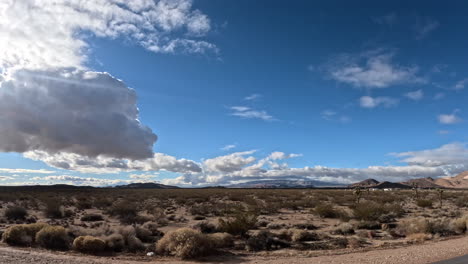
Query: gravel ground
x: 417, y: 254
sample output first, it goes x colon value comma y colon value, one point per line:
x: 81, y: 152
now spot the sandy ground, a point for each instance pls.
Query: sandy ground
x: 416, y: 254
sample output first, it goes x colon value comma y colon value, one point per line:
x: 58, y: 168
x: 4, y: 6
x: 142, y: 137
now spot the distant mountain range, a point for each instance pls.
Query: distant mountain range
x: 284, y: 184
x: 147, y: 185
x: 458, y: 182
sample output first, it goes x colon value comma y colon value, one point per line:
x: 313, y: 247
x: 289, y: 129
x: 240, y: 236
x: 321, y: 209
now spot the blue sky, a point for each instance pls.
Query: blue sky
x: 344, y: 92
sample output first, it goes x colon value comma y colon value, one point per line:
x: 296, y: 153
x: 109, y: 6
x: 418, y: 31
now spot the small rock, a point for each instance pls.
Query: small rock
x: 150, y: 254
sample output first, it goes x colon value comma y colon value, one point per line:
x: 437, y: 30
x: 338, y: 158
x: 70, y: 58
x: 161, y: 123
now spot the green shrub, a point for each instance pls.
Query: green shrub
x: 115, y: 242
x: 22, y: 235
x: 372, y: 211
x: 326, y: 211
x: 16, y: 213
x: 239, y: 224
x: 92, y: 217
x: 53, y: 209
x: 303, y: 235
x: 185, y: 243
x: 424, y: 203
x: 89, y: 244
x: 53, y: 237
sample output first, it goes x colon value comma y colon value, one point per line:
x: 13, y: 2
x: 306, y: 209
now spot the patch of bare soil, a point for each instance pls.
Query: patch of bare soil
x: 428, y: 252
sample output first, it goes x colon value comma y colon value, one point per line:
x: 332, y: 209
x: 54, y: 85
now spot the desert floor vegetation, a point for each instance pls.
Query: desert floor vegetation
x: 196, y: 223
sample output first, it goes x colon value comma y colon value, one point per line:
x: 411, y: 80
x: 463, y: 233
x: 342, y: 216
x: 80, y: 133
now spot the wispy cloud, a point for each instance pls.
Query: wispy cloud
x: 372, y: 69
x: 228, y: 147
x: 424, y: 27
x: 372, y: 102
x: 461, y: 84
x: 331, y: 115
x: 247, y: 112
x: 449, y: 119
x: 389, y: 19
x: 41, y: 171
x: 253, y: 97
x: 415, y: 95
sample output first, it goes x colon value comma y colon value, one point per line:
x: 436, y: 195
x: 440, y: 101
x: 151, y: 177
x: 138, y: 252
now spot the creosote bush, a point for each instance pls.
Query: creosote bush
x: 185, y: 243
x: 89, y: 244
x: 16, y: 213
x: 92, y: 217
x: 239, y: 224
x: 53, y: 237
x: 424, y: 203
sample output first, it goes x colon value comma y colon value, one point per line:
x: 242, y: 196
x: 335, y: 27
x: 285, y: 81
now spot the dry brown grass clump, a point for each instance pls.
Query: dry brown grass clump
x: 22, y: 235
x: 222, y: 240
x: 185, y: 243
x: 89, y: 244
x: 53, y: 237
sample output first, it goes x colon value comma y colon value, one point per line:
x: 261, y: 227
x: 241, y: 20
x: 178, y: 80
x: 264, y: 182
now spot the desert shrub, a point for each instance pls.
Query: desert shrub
x: 344, y: 229
x: 424, y: 203
x: 265, y: 240
x: 372, y: 225
x: 89, y: 244
x: 144, y: 234
x: 462, y: 201
x: 418, y: 237
x: 92, y: 217
x: 185, y: 243
x: 459, y: 225
x: 132, y: 243
x: 126, y: 211
x: 239, y: 224
x: 153, y: 227
x: 354, y: 242
x: 369, y: 211
x: 302, y: 235
x: 115, y: 242
x: 53, y: 237
x: 305, y: 226
x: 199, y: 217
x: 16, y: 213
x: 205, y: 227
x: 84, y: 203
x: 22, y: 235
x: 53, y: 209
x: 326, y: 211
x: 413, y: 226
x: 440, y: 226
x: 222, y: 240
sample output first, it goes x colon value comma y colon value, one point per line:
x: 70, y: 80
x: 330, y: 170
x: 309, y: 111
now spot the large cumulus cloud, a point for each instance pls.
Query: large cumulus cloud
x: 82, y: 112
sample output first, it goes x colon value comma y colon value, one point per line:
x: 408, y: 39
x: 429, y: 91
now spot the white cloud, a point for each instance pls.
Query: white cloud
x: 229, y: 163
x: 247, y: 112
x: 53, y: 34
x: 424, y: 27
x: 101, y: 164
x: 228, y: 147
x: 449, y: 154
x: 22, y: 171
x: 252, y: 97
x: 82, y: 112
x: 143, y: 176
x: 6, y: 178
x: 415, y: 95
x: 84, y: 181
x: 372, y: 102
x: 374, y: 69
x: 461, y: 84
x: 449, y: 119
